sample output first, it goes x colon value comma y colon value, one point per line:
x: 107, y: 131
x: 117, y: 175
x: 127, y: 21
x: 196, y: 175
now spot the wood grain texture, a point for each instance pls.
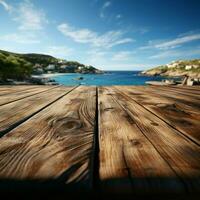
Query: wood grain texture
x: 56, y: 143
x: 14, y: 89
x: 185, y: 98
x: 5, y: 99
x: 177, y: 114
x: 193, y: 88
x: 178, y: 151
x: 177, y: 91
x: 18, y: 111
x: 148, y: 138
x: 190, y: 90
x: 191, y: 104
x: 128, y: 160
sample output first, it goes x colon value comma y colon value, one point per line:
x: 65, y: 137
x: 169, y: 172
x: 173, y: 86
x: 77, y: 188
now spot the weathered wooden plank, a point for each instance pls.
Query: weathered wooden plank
x: 15, y: 87
x: 177, y: 91
x: 186, y: 90
x: 171, y: 111
x: 194, y: 87
x: 180, y: 152
x: 16, y: 112
x: 56, y: 143
x: 191, y: 104
x: 8, y: 90
x: 129, y: 163
x: 23, y: 94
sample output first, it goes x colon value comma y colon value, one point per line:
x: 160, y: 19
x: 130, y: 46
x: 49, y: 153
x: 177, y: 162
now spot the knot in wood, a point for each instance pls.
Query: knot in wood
x: 154, y: 124
x: 135, y: 142
x: 66, y: 125
x: 109, y: 108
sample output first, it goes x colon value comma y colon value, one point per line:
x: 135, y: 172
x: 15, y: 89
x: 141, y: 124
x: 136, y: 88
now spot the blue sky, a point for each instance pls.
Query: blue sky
x: 109, y: 34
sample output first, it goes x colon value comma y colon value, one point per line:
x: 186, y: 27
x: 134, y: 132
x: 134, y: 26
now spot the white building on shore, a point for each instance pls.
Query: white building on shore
x: 50, y: 67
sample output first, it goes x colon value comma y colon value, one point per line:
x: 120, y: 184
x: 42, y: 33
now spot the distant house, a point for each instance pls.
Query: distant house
x: 80, y: 68
x: 37, y: 65
x: 188, y: 67
x: 172, y: 65
x: 195, y: 66
x: 61, y: 61
x: 37, y: 69
x: 63, y: 67
x: 50, y: 67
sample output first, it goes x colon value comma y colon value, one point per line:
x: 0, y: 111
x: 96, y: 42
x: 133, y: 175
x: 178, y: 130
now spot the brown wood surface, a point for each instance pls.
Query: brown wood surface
x: 194, y: 87
x: 55, y: 143
x: 14, y: 113
x: 120, y: 139
x: 23, y: 94
x: 177, y: 114
x: 171, y: 92
x: 178, y: 91
x: 14, y: 89
x: 180, y: 152
x: 128, y: 160
x: 189, y: 90
x: 189, y: 103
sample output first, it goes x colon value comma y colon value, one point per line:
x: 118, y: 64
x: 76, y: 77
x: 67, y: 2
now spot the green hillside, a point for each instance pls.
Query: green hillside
x: 21, y: 66
x: 14, y: 67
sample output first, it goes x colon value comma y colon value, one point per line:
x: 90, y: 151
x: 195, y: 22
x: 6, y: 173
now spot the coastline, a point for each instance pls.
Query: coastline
x: 48, y: 75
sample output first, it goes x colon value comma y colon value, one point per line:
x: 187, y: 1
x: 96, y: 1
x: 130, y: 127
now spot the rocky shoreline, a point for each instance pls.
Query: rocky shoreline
x: 30, y: 81
x: 157, y: 72
x: 42, y: 79
x: 181, y: 68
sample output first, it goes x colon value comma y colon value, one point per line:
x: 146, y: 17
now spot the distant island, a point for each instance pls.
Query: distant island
x: 20, y: 67
x: 190, y: 68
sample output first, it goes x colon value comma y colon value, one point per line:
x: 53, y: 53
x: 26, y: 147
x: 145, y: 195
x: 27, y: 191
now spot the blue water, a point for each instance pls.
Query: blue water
x: 109, y: 78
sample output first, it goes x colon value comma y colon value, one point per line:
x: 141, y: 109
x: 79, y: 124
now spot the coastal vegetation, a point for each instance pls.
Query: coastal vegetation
x: 22, y: 66
x: 14, y: 67
x: 190, y: 68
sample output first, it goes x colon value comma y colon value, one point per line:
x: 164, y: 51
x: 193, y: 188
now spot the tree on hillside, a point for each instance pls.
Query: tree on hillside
x: 14, y: 67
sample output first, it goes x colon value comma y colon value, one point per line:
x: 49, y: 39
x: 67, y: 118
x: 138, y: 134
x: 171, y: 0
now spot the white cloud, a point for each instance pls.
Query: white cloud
x: 178, y: 41
x: 109, y: 60
x: 170, y: 44
x: 25, y: 38
x: 118, y: 16
x: 128, y: 66
x: 59, y: 51
x: 30, y: 20
x: 97, y: 52
x: 174, y: 54
x: 123, y: 56
x: 29, y: 17
x: 6, y: 6
x: 79, y: 35
x: 110, y: 39
x: 104, y: 7
x: 106, y: 4
x: 86, y: 36
x: 96, y: 57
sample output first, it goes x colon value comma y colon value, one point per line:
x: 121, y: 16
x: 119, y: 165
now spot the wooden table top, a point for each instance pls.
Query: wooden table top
x: 119, y: 140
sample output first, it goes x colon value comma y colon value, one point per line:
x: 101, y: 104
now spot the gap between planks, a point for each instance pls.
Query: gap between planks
x: 7, y: 100
x: 59, y: 147
x: 14, y: 125
x: 127, y: 157
x: 95, y: 162
x: 193, y: 139
x: 176, y: 150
